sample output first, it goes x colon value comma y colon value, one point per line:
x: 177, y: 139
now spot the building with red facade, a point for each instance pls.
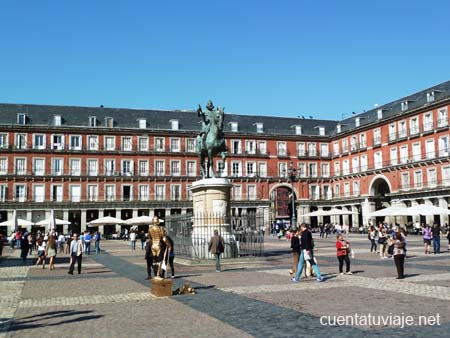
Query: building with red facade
x: 86, y: 163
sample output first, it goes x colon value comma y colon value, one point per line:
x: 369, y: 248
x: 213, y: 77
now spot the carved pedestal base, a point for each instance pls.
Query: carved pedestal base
x: 161, y: 287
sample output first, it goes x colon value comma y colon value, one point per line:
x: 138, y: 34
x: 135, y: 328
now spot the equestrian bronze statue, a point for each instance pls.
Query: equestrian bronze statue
x: 211, y: 140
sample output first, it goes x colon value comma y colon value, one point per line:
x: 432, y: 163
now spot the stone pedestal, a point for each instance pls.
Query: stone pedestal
x: 211, y: 206
x: 161, y: 287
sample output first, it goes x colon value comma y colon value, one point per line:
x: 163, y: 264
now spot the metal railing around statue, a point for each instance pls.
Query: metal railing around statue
x: 243, y: 235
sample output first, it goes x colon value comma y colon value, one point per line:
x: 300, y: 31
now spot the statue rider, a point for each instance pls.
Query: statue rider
x: 207, y: 116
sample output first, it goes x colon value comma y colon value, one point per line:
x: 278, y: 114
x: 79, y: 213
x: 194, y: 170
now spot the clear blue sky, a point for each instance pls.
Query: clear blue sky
x: 285, y: 57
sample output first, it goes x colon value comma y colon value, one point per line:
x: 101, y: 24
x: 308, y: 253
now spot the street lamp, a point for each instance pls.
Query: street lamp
x: 292, y: 176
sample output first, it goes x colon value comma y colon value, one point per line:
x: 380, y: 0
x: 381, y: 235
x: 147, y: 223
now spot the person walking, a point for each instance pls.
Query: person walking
x: 24, y: 247
x: 143, y: 238
x: 342, y: 253
x: 76, y: 253
x: 427, y: 239
x: 97, y: 239
x: 372, y: 237
x: 296, y: 249
x: 149, y: 258
x: 1, y: 244
x: 133, y: 240
x: 87, y: 243
x: 399, y: 254
x: 50, y: 251
x: 170, y: 254
x: 216, y: 246
x: 437, y: 232
x: 61, y: 242
x: 448, y: 238
x: 382, y: 241
x: 307, y: 254
x: 41, y: 252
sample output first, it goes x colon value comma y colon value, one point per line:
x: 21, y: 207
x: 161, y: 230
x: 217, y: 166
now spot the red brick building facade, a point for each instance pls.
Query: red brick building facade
x: 90, y: 162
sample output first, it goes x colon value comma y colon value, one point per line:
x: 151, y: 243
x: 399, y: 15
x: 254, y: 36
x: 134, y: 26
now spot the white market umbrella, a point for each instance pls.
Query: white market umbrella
x: 48, y: 222
x: 108, y: 220
x: 390, y: 211
x: 16, y: 223
x: 316, y: 213
x: 337, y: 212
x: 141, y: 220
x: 424, y: 210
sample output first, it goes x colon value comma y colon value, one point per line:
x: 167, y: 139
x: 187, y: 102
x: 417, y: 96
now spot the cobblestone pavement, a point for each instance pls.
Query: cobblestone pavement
x: 252, y: 298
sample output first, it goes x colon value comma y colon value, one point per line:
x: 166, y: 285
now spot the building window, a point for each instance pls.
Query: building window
x: 127, y: 168
x: 237, y: 192
x: 364, y: 163
x: 404, y: 105
x: 75, y: 142
x: 175, y: 168
x: 21, y: 119
x: 281, y: 148
x: 110, y: 193
x: 159, y: 144
x: 21, y: 141
x: 446, y: 176
x: 325, y: 169
x: 57, y: 193
x: 301, y: 151
x: 298, y: 130
x: 190, y: 145
x: 250, y: 147
x: 429, y: 149
x: 57, y: 166
x: 356, y: 188
x: 378, y: 160
x: 191, y: 168
x: 402, y: 132
x: 251, y: 169
x: 144, y: 193
x: 362, y: 141
x: 75, y: 167
x: 377, y: 136
x: 443, y: 146
x: 234, y: 126
x: 357, y: 122
x: 110, y: 143
x: 3, y: 193
x: 174, y: 124
x: 92, y: 166
x: 175, y: 145
x: 3, y: 166
x: 313, y: 169
x: 405, y: 181
x: 251, y: 192
x: 442, y: 117
x: 175, y: 192
x: 262, y: 147
x: 336, y: 148
x: 355, y: 165
x: 58, y: 142
x: 393, y: 155
x: 344, y: 145
x: 143, y: 143
x: 418, y: 179
x: 92, y: 121
x: 160, y: 192
x: 259, y: 128
x: 414, y: 126
x: 337, y: 191
x: 93, y: 142
x: 127, y: 192
x: 430, y: 97
x: 236, y: 169
x: 75, y: 193
x: 57, y: 120
x: 39, y: 141
x: 236, y: 147
x: 346, y: 167
x: 110, y: 167
x: 222, y: 169
x: 142, y: 123
x: 143, y: 168
x: 327, y: 192
x: 353, y: 143
x: 92, y: 193
x: 338, y: 128
x: 404, y: 154
x: 109, y: 122
x: 392, y: 132
x: 324, y: 149
x: 21, y: 166
x: 3, y: 141
x: 127, y: 143
x: 321, y: 131
x: 432, y: 178
x: 380, y: 114
x: 314, y: 192
x: 416, y: 152
x: 159, y: 168
x: 337, y: 168
x: 282, y: 169
x: 20, y: 193
x: 347, y: 189
x: 428, y: 121
x: 262, y: 169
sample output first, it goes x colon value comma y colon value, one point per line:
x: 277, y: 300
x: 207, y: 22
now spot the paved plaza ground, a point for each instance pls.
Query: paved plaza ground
x: 250, y: 298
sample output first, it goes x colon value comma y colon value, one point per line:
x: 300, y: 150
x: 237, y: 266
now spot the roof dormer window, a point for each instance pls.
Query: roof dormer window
x: 380, y: 114
x: 259, y: 127
x: 109, y: 122
x: 234, y: 126
x: 430, y: 96
x: 57, y: 120
x: 357, y: 122
x: 321, y: 130
x: 404, y: 105
x: 142, y: 123
x: 21, y: 119
x: 298, y: 130
x: 338, y: 128
x: 174, y: 124
x: 92, y: 121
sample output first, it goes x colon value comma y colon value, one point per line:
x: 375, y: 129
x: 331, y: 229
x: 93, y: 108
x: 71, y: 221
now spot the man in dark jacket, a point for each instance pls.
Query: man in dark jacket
x: 296, y: 249
x: 307, y: 244
x: 216, y: 247
x: 149, y: 258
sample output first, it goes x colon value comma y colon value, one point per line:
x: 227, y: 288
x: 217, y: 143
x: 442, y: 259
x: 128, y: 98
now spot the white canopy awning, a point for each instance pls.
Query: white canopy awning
x: 108, y: 220
x: 49, y: 220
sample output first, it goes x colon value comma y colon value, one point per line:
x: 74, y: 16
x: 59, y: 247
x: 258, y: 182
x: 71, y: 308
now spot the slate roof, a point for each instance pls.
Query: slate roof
x: 43, y: 115
x: 124, y: 118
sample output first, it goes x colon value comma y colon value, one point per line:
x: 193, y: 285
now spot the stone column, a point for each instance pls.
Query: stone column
x: 30, y: 215
x: 415, y: 218
x: 10, y: 218
x: 101, y: 213
x: 367, y: 208
x: 211, y: 202
x: 345, y: 218
x: 355, y: 216
x: 319, y: 218
x: 430, y: 219
x: 66, y: 218
x: 134, y: 213
x: 83, y: 220
x: 167, y: 213
x: 443, y: 204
